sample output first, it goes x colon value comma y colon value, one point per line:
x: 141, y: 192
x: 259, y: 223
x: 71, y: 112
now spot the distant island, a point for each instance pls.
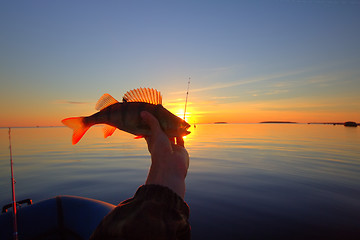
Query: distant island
x: 346, y: 124
x: 327, y: 123
x: 220, y: 122
x: 278, y: 122
x: 350, y: 124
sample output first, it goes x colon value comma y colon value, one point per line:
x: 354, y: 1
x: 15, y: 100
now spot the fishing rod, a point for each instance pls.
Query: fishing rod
x: 187, y: 94
x: 15, y: 233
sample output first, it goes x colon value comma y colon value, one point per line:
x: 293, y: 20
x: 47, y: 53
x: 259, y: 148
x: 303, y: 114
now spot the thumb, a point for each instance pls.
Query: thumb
x: 150, y: 120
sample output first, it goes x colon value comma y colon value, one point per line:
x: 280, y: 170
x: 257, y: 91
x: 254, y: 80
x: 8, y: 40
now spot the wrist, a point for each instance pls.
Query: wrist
x: 176, y: 184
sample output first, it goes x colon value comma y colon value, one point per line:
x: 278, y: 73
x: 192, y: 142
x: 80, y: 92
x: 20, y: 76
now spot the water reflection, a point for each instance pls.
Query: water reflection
x: 250, y: 181
x: 281, y: 181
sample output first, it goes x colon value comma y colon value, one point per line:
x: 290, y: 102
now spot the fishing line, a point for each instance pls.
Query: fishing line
x: 187, y: 94
x: 15, y: 233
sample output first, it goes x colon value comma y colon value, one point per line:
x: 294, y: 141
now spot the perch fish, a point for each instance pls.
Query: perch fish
x: 125, y: 116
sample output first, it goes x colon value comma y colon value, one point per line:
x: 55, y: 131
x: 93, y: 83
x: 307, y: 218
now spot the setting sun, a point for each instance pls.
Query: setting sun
x: 189, y: 117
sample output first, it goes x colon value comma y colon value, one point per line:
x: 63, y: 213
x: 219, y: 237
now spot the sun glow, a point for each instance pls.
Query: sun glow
x: 189, y: 117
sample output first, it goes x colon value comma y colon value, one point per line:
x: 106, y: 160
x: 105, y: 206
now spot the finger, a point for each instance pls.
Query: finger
x: 180, y: 141
x: 172, y: 140
x: 150, y: 120
x: 148, y: 140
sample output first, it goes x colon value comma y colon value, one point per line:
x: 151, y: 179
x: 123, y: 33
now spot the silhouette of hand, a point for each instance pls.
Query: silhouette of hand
x: 169, y: 161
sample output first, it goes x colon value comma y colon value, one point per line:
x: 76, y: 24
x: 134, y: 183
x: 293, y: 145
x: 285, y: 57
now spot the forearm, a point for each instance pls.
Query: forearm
x: 167, y: 179
x: 155, y: 212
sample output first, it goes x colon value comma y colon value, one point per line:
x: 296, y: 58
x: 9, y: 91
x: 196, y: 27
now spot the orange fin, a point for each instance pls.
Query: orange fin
x: 76, y: 123
x: 105, y: 101
x: 139, y: 137
x: 108, y: 130
x: 147, y: 95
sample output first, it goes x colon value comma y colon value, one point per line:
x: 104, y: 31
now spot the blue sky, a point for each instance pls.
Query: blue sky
x: 253, y: 60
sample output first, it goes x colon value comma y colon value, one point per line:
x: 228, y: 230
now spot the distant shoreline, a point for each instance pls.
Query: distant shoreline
x: 327, y: 123
x: 279, y: 122
x: 220, y: 122
x: 34, y: 127
x: 263, y: 122
x: 354, y: 124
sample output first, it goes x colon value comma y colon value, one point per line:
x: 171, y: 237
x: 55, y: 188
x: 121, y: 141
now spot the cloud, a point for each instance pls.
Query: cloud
x: 330, y: 2
x: 227, y: 97
x: 71, y: 102
x: 268, y: 92
x: 242, y: 82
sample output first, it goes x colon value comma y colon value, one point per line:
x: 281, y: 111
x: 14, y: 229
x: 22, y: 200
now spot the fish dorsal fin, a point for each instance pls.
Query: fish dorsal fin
x: 147, y: 95
x: 105, y: 101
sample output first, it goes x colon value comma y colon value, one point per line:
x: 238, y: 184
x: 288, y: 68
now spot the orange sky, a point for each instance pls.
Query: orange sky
x: 198, y: 111
x: 248, y: 63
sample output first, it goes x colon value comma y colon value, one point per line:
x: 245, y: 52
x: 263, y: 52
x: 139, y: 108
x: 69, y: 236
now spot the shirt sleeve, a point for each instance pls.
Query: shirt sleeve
x: 155, y: 212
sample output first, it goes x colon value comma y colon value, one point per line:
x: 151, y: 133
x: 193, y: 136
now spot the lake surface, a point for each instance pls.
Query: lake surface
x: 249, y: 181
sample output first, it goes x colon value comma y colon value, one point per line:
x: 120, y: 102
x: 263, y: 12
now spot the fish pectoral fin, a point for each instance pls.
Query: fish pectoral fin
x: 108, y: 130
x: 139, y: 137
x: 105, y: 101
x: 147, y: 95
x: 79, y: 128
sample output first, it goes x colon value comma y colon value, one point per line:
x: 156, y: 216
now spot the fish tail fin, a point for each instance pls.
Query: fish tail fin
x: 77, y: 124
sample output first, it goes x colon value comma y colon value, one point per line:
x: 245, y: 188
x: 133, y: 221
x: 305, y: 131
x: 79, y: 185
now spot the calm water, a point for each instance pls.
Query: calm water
x: 251, y: 181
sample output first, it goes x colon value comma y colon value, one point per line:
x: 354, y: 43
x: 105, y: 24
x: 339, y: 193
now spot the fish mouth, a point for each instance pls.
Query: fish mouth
x: 186, y: 129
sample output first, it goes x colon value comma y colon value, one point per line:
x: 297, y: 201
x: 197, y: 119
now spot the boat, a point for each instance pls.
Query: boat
x: 61, y: 217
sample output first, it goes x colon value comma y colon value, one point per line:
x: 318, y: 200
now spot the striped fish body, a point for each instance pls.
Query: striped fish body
x: 126, y: 116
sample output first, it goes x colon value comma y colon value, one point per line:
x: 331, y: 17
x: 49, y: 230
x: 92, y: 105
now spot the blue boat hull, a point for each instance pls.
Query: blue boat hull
x: 61, y: 217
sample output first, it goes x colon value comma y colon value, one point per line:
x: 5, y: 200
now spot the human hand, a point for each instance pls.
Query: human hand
x: 169, y: 161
